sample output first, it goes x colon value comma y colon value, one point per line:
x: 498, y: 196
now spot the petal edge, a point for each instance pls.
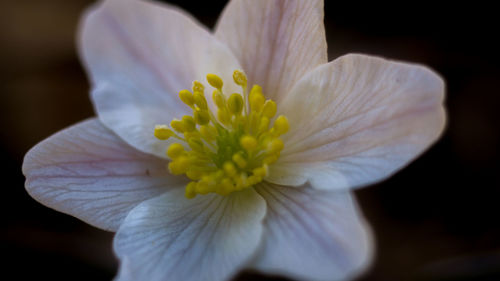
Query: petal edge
x: 88, y: 172
x: 358, y: 120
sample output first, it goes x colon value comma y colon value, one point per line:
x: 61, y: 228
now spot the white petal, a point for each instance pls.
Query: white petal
x: 140, y: 54
x: 276, y: 41
x: 206, y: 238
x: 88, y: 172
x: 358, y: 120
x: 313, y: 235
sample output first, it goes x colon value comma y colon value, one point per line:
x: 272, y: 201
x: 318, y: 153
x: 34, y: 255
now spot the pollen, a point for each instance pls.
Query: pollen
x: 228, y: 149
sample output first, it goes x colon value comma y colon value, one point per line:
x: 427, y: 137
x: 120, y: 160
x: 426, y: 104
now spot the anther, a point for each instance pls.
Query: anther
x: 179, y: 165
x: 218, y: 99
x: 270, y: 159
x: 249, y: 143
x: 190, y: 192
x: 198, y: 87
x: 229, y: 169
x: 199, y: 100
x: 188, y: 123
x: 261, y: 171
x: 281, y: 125
x: 226, y: 187
x: 256, y: 101
x: 239, y: 160
x: 194, y: 174
x: 276, y: 145
x: 192, y: 134
x: 162, y: 132
x: 178, y: 125
x: 201, y: 117
x: 264, y: 124
x: 208, y: 132
x: 175, y: 150
x: 269, y: 109
x: 251, y: 180
x: 235, y: 104
x: 203, y: 187
x: 215, y: 81
x: 240, y: 78
x: 223, y: 116
x: 196, y: 145
x: 256, y: 89
x: 186, y: 97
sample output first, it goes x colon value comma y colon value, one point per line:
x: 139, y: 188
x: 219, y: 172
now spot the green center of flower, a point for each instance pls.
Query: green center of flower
x: 227, y: 151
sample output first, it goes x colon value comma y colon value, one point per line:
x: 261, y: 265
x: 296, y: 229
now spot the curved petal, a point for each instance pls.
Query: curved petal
x: 173, y: 238
x: 313, y: 235
x: 358, y: 120
x: 88, y: 172
x: 139, y: 55
x: 276, y: 41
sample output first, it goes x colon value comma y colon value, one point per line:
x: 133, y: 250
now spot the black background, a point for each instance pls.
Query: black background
x: 435, y: 220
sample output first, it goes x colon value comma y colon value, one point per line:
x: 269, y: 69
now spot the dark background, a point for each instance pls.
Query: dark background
x: 438, y: 219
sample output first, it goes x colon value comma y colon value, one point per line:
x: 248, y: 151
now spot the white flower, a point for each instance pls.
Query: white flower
x: 353, y: 121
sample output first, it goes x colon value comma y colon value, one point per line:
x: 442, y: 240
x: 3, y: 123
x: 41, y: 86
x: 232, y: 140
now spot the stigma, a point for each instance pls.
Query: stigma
x: 227, y: 149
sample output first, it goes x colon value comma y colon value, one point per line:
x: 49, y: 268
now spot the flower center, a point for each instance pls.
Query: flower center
x: 227, y: 151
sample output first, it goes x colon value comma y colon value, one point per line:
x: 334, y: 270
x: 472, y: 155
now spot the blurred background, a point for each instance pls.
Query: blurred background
x: 438, y: 219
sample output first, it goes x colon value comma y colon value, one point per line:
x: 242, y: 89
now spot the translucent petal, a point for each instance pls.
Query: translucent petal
x: 90, y: 173
x: 277, y: 41
x: 205, y: 238
x: 139, y: 55
x: 358, y: 120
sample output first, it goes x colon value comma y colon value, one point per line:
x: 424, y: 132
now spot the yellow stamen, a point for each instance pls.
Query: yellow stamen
x: 208, y: 132
x: 186, y: 97
x: 223, y: 116
x: 199, y: 100
x: 218, y: 99
x: 227, y: 151
x: 178, y: 125
x: 235, y: 104
x: 198, y: 87
x: 188, y: 123
x: 239, y: 160
x: 269, y: 109
x: 214, y: 81
x: 179, y: 166
x: 190, y: 190
x: 261, y: 171
x: 249, y: 143
x: 175, y: 150
x: 257, y: 101
x: 201, y: 117
x: 162, y: 132
x: 240, y: 78
x: 230, y: 169
x: 281, y: 125
x: 276, y: 145
x: 196, y: 145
